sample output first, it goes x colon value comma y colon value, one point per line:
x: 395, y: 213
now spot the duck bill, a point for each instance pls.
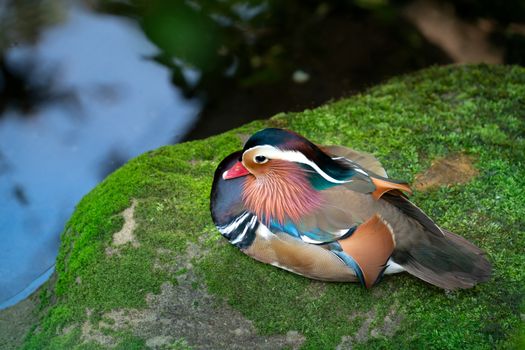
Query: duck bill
x: 237, y: 170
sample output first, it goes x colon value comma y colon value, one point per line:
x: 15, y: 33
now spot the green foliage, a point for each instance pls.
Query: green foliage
x: 406, y: 123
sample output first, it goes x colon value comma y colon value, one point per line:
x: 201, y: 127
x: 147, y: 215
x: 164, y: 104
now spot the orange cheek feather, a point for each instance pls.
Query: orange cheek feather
x: 281, y: 191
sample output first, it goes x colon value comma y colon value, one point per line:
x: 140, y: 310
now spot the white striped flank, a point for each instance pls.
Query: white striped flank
x: 227, y: 229
x: 293, y: 156
x: 249, y: 225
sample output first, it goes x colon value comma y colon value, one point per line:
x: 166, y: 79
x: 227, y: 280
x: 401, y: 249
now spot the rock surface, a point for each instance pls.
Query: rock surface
x: 142, y: 266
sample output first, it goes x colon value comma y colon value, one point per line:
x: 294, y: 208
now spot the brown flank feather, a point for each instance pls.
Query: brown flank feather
x: 370, y: 246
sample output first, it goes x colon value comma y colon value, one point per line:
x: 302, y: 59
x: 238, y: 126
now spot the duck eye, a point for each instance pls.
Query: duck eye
x: 260, y: 159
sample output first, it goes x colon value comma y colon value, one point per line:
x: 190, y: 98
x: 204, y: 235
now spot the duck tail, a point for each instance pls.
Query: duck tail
x: 449, y: 262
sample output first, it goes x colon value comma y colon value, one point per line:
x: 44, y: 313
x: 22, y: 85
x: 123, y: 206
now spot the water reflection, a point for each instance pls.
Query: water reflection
x: 75, y: 105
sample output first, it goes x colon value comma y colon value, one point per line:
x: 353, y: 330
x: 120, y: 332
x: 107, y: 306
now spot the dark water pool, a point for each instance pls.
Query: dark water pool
x: 104, y: 103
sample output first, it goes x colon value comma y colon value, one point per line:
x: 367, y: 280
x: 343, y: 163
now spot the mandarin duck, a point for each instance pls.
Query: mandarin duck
x: 331, y: 213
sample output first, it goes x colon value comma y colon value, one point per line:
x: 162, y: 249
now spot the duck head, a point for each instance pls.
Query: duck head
x: 267, y: 146
x: 283, y: 175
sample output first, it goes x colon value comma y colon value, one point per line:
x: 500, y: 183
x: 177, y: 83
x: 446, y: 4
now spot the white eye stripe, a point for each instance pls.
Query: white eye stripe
x: 293, y: 156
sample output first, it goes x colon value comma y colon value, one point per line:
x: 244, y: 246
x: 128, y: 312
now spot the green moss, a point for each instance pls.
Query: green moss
x: 407, y: 122
x: 179, y: 344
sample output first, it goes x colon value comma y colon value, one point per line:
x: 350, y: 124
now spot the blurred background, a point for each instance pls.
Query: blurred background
x: 87, y: 85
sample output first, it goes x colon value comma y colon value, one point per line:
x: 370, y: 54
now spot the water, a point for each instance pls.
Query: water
x: 105, y: 103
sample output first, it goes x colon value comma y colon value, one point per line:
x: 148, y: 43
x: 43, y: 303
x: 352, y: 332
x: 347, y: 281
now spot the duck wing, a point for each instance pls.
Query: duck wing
x: 385, y: 188
x: 364, y: 159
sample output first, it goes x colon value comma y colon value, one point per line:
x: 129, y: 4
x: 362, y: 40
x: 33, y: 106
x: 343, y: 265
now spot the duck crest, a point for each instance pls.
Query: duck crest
x: 286, y: 140
x: 283, y: 193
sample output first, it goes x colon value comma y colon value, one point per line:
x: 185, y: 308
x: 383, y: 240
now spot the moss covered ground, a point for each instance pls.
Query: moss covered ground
x: 408, y: 122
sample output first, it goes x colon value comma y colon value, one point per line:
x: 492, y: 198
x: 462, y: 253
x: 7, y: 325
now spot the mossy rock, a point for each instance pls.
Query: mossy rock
x: 168, y: 280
